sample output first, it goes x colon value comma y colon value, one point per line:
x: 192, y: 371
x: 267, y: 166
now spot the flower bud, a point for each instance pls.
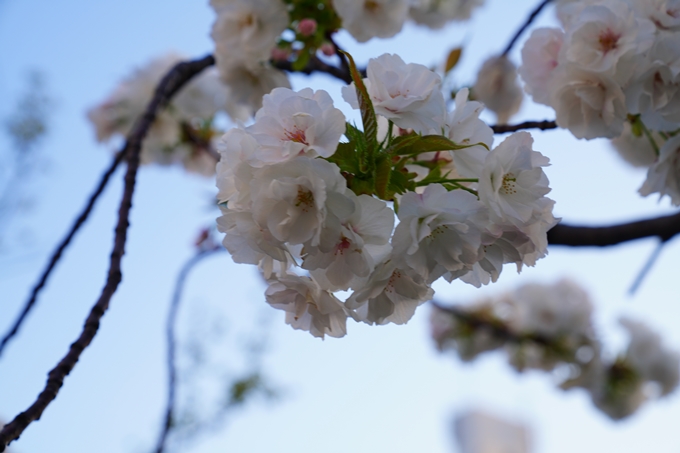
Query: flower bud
x: 306, y: 27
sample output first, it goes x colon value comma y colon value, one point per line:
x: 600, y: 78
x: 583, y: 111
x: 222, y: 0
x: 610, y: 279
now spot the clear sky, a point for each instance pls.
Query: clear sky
x: 378, y: 389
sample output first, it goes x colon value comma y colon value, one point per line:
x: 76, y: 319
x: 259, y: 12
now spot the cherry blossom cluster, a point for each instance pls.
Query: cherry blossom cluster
x: 317, y: 215
x: 252, y: 37
x: 182, y: 132
x: 549, y: 327
x: 612, y: 70
x: 367, y: 19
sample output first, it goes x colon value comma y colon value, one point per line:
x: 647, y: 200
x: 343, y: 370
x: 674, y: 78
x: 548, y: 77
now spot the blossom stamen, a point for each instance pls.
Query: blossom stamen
x: 609, y: 40
x: 305, y: 198
x: 296, y: 135
x: 508, y: 185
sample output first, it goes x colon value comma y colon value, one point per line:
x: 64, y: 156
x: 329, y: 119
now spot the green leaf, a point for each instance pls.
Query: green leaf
x: 359, y: 185
x: 452, y: 59
x: 358, y: 139
x: 430, y: 143
x: 345, y: 157
x: 368, y: 117
x: 401, y: 182
x: 302, y: 59
x: 383, y: 168
x: 402, y: 142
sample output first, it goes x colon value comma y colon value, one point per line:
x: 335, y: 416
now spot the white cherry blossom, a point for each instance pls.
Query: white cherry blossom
x: 589, y: 104
x: 498, y: 89
x: 408, y: 94
x: 246, y: 241
x: 366, y: 19
x: 391, y: 294
x: 603, y: 33
x: 293, y: 123
x: 540, y: 57
x: 234, y: 171
x: 464, y: 127
x: 663, y: 176
x: 290, y: 199
x: 650, y: 357
x: 249, y: 83
x: 512, y: 180
x: 361, y: 241
x: 665, y: 14
x: 245, y: 31
x: 438, y: 231
x: 307, y: 306
x: 166, y: 143
x: 637, y: 151
x: 437, y: 13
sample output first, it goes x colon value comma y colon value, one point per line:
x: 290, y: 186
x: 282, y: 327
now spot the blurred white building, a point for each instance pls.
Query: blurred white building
x: 479, y: 432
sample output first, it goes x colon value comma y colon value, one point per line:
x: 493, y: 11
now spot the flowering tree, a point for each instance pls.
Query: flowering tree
x: 352, y: 221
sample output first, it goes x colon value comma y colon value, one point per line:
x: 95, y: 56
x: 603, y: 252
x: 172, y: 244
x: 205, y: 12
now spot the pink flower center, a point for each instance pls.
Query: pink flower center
x: 343, y: 245
x: 609, y: 40
x: 296, y: 135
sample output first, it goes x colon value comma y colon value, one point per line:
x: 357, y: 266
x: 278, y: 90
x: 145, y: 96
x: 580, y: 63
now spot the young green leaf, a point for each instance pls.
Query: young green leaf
x: 452, y: 59
x: 368, y: 117
x: 383, y: 169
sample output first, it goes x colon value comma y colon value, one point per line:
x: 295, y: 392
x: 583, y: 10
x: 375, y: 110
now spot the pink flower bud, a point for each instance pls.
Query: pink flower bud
x: 279, y: 54
x: 327, y: 49
x: 307, y: 27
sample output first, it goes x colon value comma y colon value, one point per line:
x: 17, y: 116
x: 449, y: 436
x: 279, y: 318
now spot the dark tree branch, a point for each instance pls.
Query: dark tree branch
x: 542, y: 125
x: 525, y: 25
x: 344, y: 64
x: 664, y: 228
x: 56, y: 255
x: 168, y: 421
x: 315, y: 65
x: 168, y: 86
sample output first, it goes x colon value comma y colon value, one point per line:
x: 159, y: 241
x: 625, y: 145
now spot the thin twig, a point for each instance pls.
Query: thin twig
x: 168, y: 422
x: 542, y: 125
x: 665, y: 228
x: 56, y: 255
x: 646, y: 268
x: 343, y: 61
x: 525, y: 25
x: 168, y: 86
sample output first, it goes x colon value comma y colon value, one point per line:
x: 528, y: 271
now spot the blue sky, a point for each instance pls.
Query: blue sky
x: 378, y: 389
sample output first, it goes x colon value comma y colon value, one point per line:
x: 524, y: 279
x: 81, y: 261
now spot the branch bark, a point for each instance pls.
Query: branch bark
x: 542, y: 125
x: 168, y: 420
x: 664, y: 228
x: 56, y: 255
x: 169, y: 85
x: 316, y: 65
x: 525, y: 25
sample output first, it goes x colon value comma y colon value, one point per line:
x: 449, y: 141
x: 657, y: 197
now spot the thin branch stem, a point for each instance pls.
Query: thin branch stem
x: 56, y: 255
x: 171, y: 322
x: 525, y: 25
x: 542, y: 125
x: 168, y: 86
x: 646, y: 268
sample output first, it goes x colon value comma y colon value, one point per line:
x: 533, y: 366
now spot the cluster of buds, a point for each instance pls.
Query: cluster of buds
x: 317, y: 215
x: 549, y: 328
x: 611, y: 70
